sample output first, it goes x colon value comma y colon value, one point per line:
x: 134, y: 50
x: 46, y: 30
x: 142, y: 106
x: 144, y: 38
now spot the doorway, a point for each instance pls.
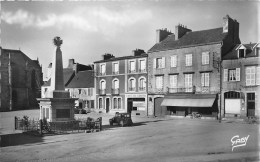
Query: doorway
x: 129, y: 105
x: 107, y: 104
x: 250, y: 104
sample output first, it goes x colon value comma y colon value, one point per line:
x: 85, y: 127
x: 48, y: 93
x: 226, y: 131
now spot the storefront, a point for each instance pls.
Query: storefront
x: 183, y: 105
x: 136, y: 104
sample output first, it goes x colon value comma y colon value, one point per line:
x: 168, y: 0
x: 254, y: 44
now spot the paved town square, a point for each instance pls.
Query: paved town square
x: 149, y: 139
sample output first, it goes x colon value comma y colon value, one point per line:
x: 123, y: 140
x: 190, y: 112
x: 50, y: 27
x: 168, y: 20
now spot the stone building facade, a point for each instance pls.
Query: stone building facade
x: 183, y: 73
x: 20, y: 80
x: 241, y: 81
x: 121, y: 83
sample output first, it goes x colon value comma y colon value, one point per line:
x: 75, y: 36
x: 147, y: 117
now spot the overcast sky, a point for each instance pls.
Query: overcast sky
x: 90, y: 29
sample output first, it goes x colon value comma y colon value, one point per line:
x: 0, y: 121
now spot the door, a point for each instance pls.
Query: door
x: 250, y: 104
x: 129, y: 105
x: 107, y: 104
x: 158, y: 109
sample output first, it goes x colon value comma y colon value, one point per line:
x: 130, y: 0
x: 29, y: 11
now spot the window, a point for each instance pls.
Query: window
x: 100, y: 103
x: 188, y: 82
x: 115, y: 86
x: 159, y: 63
x: 174, y: 61
x: 132, y: 66
x: 205, y: 58
x: 116, y: 68
x: 159, y: 83
x: 173, y: 81
x: 142, y: 66
x: 90, y: 91
x: 142, y: 84
x: 241, y: 53
x: 252, y: 76
x: 232, y: 74
x: 102, y: 84
x: 79, y: 90
x: 117, y: 103
x: 188, y: 60
x: 131, y: 84
x: 257, y: 51
x: 205, y: 79
x: 102, y: 69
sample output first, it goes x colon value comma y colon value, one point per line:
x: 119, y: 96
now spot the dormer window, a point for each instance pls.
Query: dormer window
x: 257, y: 51
x: 241, y: 53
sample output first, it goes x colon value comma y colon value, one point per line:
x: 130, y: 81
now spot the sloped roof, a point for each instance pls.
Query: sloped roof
x: 190, y: 39
x: 83, y: 79
x: 122, y: 58
x: 233, y: 52
x: 67, y: 76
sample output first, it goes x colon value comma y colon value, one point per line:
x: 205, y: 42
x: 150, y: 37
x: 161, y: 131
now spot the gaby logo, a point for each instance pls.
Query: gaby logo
x: 237, y: 142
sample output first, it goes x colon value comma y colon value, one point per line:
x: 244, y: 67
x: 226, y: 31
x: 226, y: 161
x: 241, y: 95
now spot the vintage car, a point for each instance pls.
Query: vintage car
x: 122, y: 119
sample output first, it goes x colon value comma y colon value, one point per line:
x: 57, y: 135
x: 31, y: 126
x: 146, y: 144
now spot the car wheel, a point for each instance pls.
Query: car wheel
x: 122, y: 123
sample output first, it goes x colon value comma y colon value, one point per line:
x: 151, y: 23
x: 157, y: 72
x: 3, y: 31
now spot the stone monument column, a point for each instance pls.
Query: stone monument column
x: 59, y: 107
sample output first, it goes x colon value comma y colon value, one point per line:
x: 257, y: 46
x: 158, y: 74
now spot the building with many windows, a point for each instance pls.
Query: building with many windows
x: 20, y: 80
x: 121, y: 83
x: 183, y: 73
x: 241, y: 81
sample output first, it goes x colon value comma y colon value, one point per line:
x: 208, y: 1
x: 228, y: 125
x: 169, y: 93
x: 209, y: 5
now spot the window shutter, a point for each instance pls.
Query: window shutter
x: 207, y: 79
x: 172, y: 64
x: 237, y: 74
x: 207, y: 58
x: 163, y: 62
x: 248, y: 75
x: 202, y: 79
x: 253, y: 74
x: 154, y: 63
x: 258, y: 76
x: 225, y: 75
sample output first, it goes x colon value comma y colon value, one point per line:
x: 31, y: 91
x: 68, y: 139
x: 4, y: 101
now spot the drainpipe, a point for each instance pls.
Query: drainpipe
x: 10, y: 83
x: 220, y: 85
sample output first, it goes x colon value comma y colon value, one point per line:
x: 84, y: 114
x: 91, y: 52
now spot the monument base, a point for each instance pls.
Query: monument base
x: 57, y: 109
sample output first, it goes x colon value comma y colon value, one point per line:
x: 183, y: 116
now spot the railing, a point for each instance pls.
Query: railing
x: 182, y: 90
x: 42, y: 126
x: 115, y: 72
x: 101, y: 73
x: 131, y: 89
x: 131, y: 71
x: 142, y: 70
x: 205, y: 89
x: 115, y: 91
x: 102, y: 91
x: 142, y: 88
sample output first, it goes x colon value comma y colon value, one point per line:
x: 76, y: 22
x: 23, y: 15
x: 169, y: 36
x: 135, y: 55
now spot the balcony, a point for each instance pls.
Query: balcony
x: 115, y: 91
x: 115, y: 72
x: 131, y: 71
x: 102, y: 92
x: 182, y: 90
x: 142, y: 71
x: 101, y: 73
x: 131, y: 89
x: 141, y: 89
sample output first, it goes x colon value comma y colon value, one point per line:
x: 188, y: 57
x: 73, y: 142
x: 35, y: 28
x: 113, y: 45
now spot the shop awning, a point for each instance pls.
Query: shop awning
x: 188, y: 102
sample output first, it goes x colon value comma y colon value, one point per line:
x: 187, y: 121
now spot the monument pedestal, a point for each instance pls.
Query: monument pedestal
x: 57, y: 109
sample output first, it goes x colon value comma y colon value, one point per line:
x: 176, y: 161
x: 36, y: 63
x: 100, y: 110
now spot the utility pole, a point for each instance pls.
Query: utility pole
x: 217, y: 64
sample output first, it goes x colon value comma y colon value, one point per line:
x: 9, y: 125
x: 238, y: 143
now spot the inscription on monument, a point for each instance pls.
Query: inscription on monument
x: 63, y: 113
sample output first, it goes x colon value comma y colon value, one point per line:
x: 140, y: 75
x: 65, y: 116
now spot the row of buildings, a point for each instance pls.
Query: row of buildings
x: 207, y: 72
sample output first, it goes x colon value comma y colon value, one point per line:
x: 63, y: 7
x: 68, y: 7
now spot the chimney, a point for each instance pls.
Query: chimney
x: 161, y: 34
x: 231, y: 27
x: 181, y: 30
x: 138, y: 52
x: 71, y: 63
x: 108, y: 56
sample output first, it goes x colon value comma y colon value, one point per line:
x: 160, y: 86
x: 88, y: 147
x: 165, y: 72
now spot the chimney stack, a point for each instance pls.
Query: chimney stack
x: 231, y: 27
x: 161, y: 34
x: 180, y: 30
x: 108, y: 56
x: 71, y: 63
x: 138, y: 52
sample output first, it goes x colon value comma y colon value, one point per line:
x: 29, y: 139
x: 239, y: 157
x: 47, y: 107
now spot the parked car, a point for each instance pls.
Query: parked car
x: 122, y: 119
